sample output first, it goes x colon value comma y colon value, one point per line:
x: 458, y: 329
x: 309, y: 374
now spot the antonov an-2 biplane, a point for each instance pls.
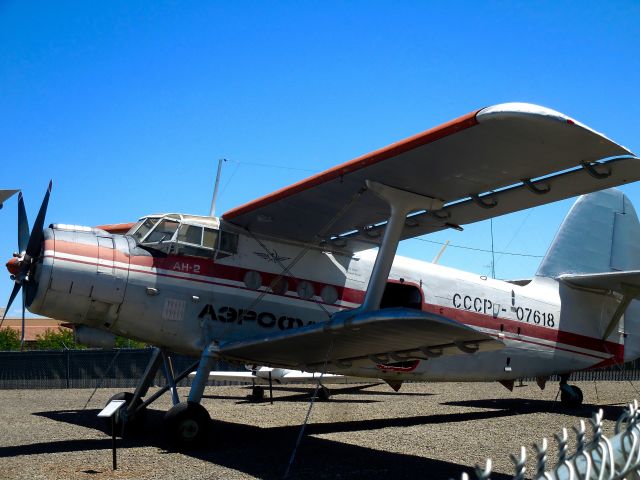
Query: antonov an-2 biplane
x: 293, y: 279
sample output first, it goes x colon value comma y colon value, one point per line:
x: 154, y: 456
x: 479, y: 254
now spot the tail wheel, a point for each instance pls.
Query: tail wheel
x: 324, y: 394
x: 571, y: 396
x: 187, y: 424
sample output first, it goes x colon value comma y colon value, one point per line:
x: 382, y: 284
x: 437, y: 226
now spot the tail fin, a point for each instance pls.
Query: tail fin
x: 601, y: 233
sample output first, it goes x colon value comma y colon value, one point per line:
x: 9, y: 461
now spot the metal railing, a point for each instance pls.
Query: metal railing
x: 600, y: 458
x: 119, y: 368
x: 122, y: 368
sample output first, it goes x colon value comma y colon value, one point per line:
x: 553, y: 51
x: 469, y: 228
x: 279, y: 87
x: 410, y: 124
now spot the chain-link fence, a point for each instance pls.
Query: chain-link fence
x: 124, y: 368
x: 85, y: 368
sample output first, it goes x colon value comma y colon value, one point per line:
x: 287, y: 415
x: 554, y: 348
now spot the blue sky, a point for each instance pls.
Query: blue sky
x: 128, y: 105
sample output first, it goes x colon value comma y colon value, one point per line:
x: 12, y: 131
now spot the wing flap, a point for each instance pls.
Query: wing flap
x: 381, y: 336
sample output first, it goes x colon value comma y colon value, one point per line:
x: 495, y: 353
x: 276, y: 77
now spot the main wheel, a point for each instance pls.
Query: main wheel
x: 187, y: 424
x: 131, y: 423
x: 571, y: 396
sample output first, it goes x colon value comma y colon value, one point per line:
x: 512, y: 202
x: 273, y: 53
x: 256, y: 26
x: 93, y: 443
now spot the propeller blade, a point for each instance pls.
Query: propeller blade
x: 14, y: 292
x: 22, y: 328
x: 35, y: 240
x: 30, y: 291
x: 23, y: 225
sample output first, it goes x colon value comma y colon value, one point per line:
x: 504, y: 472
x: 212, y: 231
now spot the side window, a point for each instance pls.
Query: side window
x: 190, y: 234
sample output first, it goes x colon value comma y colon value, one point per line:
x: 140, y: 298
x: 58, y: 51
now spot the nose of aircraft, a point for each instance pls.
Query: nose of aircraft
x: 13, y: 265
x: 22, y: 265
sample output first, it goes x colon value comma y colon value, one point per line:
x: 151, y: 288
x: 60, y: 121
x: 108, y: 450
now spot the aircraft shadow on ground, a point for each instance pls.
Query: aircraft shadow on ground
x: 306, y: 392
x: 265, y: 452
x: 528, y: 406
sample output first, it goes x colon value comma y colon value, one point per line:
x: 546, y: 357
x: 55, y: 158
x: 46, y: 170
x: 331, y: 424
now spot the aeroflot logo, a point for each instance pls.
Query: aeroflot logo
x: 241, y: 315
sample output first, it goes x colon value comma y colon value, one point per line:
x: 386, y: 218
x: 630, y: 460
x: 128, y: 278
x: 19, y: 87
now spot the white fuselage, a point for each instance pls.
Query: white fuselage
x: 106, y: 282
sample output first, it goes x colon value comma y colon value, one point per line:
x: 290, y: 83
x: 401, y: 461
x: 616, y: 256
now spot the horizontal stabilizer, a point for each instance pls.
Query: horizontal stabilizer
x: 622, y: 282
x: 382, y: 336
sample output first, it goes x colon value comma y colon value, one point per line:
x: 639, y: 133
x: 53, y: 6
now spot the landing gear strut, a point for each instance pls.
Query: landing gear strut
x: 187, y: 422
x: 570, y: 395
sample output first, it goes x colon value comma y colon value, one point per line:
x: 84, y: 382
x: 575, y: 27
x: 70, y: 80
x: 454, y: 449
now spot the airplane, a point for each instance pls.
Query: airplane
x: 307, y: 277
x: 261, y: 375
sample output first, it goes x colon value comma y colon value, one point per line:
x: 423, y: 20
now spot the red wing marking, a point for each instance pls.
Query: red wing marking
x: 117, y: 228
x: 428, y: 136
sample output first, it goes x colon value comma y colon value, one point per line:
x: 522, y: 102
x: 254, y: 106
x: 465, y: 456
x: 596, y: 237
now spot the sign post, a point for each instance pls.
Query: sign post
x: 110, y: 411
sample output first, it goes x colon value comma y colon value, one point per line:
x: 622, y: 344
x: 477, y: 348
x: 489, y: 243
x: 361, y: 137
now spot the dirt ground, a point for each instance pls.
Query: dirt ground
x: 423, y: 431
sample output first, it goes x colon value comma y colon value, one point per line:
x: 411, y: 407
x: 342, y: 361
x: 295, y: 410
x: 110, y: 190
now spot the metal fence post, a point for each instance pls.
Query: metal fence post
x: 68, y: 354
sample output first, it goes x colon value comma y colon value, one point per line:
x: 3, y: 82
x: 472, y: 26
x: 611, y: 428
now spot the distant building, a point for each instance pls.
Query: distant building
x: 33, y: 326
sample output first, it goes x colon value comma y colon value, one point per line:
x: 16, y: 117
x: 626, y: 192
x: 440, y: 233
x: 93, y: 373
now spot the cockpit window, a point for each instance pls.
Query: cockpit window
x: 190, y: 234
x: 174, y: 234
x: 163, y: 232
x: 140, y: 229
x: 210, y: 238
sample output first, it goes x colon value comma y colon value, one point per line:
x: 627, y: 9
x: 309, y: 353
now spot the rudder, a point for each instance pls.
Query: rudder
x: 601, y: 233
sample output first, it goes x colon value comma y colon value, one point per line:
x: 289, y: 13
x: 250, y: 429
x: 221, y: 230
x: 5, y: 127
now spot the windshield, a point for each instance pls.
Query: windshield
x: 163, y: 232
x: 141, y: 228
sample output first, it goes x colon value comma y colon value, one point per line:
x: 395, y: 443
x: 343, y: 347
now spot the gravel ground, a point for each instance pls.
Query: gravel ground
x: 424, y: 431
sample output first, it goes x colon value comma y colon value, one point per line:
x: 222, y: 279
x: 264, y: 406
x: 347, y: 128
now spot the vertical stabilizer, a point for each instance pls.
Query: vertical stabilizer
x: 601, y: 233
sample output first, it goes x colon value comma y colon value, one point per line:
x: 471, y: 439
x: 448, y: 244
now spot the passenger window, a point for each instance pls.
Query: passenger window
x: 163, y: 232
x: 190, y: 234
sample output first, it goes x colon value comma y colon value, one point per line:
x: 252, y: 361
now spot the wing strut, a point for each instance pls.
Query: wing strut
x: 401, y: 203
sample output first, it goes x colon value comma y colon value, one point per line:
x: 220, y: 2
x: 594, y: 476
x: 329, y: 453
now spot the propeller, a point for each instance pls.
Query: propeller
x: 22, y: 265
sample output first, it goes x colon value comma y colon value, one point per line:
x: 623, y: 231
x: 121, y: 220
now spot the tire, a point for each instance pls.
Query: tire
x: 324, y: 394
x: 579, y: 395
x: 132, y: 423
x: 571, y: 396
x: 187, y: 424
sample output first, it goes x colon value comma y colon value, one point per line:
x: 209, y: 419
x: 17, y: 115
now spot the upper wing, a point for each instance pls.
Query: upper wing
x: 117, y: 228
x: 490, y: 162
x: 382, y: 336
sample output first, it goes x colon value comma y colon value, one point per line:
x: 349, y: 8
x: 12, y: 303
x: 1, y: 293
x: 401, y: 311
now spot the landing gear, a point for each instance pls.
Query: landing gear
x: 570, y: 395
x: 131, y: 421
x: 187, y: 424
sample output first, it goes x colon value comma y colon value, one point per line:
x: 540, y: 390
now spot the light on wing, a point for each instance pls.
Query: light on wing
x: 490, y: 162
x: 392, y: 334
